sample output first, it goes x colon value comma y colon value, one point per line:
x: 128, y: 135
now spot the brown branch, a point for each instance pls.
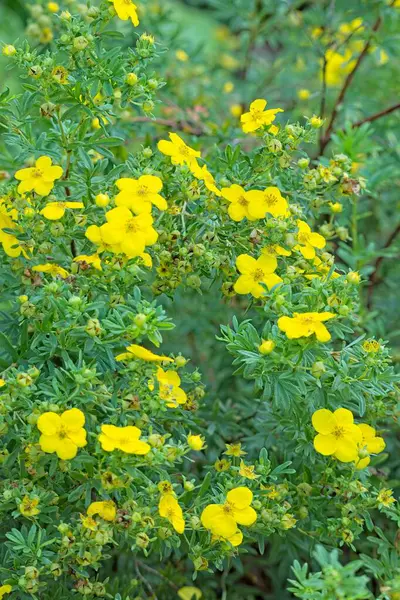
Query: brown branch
x: 181, y: 125
x: 373, y: 278
x: 347, y: 83
x: 377, y: 115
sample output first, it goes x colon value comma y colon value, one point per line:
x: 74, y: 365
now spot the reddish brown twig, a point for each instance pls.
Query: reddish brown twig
x: 377, y: 115
x: 373, y: 278
x: 325, y: 139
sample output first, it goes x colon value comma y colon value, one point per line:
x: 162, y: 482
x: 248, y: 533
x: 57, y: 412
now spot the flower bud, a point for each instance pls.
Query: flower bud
x: 102, y: 200
x: 8, y: 50
x: 266, y: 347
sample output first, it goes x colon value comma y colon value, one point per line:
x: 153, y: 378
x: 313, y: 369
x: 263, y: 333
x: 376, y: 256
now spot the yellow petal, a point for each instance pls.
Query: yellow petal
x: 49, y: 423
x: 246, y: 516
x: 323, y: 421
x: 66, y: 449
x: 344, y: 417
x: 53, y: 211
x: 73, y: 419
x: 325, y: 444
x: 240, y: 497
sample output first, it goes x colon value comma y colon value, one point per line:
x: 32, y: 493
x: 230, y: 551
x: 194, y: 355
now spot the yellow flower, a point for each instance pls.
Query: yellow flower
x: 62, y: 434
x: 125, y: 439
x: 135, y: 351
x: 106, y: 510
x: 92, y: 259
x: 29, y: 507
x: 275, y: 250
x: 236, y: 110
x: 53, y: 7
x: 270, y: 201
x: 88, y: 522
x: 52, y: 269
x: 228, y: 87
x: 305, y: 325
x: 204, y: 174
x: 2, y: 382
x: 242, y: 204
x: 254, y: 272
x: 266, y: 347
x: 370, y: 444
x: 222, y: 465
x: 5, y: 589
x: 338, y: 66
x: 247, y: 471
x: 169, y: 388
x: 188, y: 592
x: 258, y: 117
x: 288, y: 521
x: 39, y: 178
x: 180, y: 153
x: 125, y: 10
x: 140, y: 194
x: 308, y: 241
x: 195, y: 442
x: 56, y: 210
x: 168, y: 508
x: 129, y: 233
x: 371, y: 346
x: 223, y: 519
x: 338, y: 435
x: 385, y: 497
x: 234, y: 450
x: 181, y: 55
x: 303, y: 94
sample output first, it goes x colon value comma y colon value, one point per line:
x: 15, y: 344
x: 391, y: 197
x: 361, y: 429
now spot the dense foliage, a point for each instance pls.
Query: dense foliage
x: 197, y: 392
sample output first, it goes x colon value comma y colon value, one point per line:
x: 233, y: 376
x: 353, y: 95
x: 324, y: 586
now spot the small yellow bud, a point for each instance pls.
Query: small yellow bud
x: 131, y: 78
x: 102, y: 200
x: 181, y: 55
x: 266, y: 347
x: 316, y: 122
x: 66, y: 15
x: 353, y: 277
x: 303, y: 94
x: 336, y: 207
x: 22, y: 299
x: 9, y: 50
x: 195, y: 442
x: 96, y: 123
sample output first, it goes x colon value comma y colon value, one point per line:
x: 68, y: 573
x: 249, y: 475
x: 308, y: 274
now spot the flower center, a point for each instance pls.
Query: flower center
x: 258, y: 274
x: 184, y: 150
x: 242, y: 201
x: 143, y: 190
x: 170, y: 513
x: 131, y: 226
x: 227, y: 508
x: 338, y: 432
x: 62, y: 434
x: 37, y: 173
x: 303, y: 237
x: 270, y: 199
x: 256, y: 114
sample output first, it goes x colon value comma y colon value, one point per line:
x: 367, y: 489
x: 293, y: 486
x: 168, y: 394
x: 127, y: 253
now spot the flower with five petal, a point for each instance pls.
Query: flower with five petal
x: 39, y: 178
x: 168, y: 508
x: 203, y: 174
x: 257, y: 116
x: 254, y: 273
x: 169, y: 388
x: 370, y: 444
x: 308, y: 241
x: 125, y: 439
x: 140, y: 194
x: 62, y: 434
x: 180, y: 153
x: 337, y: 434
x: 223, y: 519
x: 305, y: 325
x: 105, y: 509
x: 270, y: 201
x: 243, y: 204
